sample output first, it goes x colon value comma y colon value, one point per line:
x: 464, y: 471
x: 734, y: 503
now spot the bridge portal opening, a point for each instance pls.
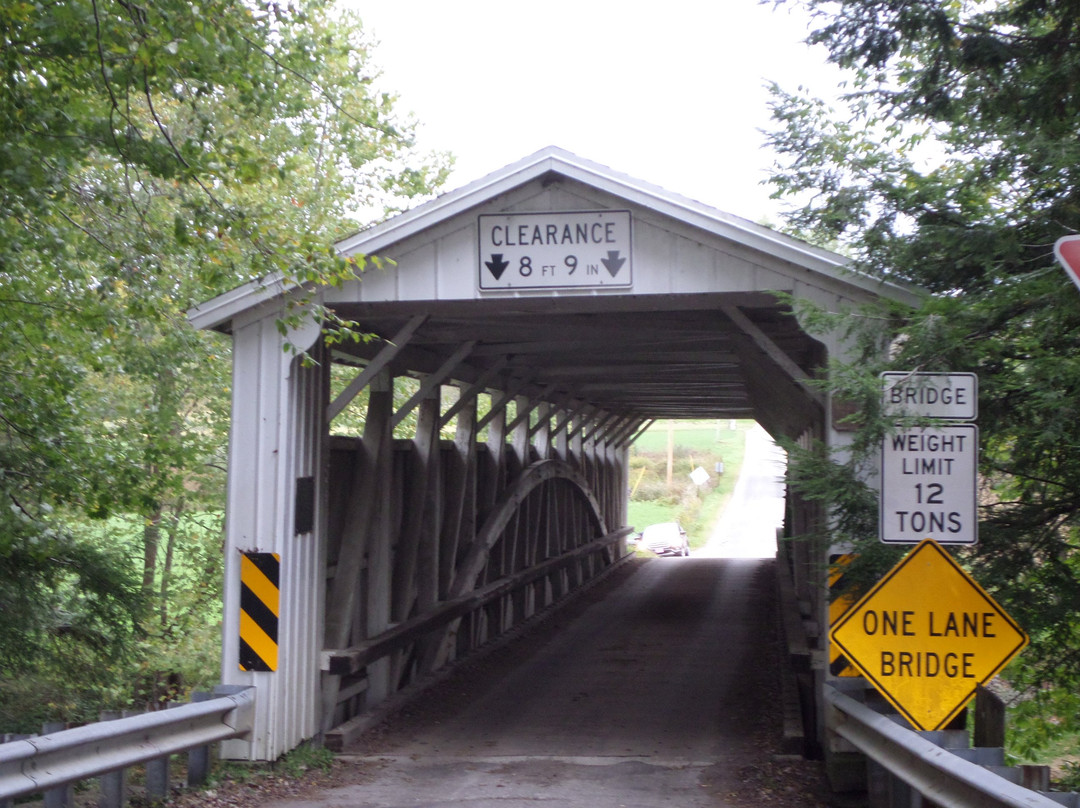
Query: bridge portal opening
x: 721, y: 481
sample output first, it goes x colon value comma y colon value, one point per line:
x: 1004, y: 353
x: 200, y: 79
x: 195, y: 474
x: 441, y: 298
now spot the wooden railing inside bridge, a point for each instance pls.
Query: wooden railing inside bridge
x: 483, y: 614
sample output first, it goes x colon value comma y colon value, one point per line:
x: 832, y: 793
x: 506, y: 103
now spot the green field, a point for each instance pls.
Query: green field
x: 694, y: 444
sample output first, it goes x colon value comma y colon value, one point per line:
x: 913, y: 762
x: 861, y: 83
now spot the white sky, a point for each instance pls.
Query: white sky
x: 671, y: 91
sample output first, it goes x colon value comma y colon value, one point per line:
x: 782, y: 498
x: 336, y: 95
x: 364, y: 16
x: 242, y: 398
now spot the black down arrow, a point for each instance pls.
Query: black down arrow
x: 613, y: 262
x: 497, y: 265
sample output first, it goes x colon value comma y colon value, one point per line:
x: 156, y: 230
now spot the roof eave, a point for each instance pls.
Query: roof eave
x: 217, y: 312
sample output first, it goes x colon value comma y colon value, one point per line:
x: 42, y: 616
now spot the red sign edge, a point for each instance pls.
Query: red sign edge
x: 1071, y: 271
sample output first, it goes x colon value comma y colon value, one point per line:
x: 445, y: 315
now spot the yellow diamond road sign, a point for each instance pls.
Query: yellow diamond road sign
x: 927, y: 635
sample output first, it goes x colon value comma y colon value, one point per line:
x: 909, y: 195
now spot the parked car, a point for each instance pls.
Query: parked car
x: 665, y: 538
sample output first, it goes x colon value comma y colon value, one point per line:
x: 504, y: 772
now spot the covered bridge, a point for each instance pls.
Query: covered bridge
x: 546, y: 314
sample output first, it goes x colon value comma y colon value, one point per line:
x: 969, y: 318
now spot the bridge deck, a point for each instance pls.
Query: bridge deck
x: 659, y: 687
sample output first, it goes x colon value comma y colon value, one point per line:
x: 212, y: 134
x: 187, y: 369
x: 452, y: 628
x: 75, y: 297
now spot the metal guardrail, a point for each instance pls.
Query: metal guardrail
x: 942, y: 777
x: 49, y: 761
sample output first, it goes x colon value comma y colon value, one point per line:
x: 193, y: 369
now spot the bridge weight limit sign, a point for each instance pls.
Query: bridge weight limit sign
x: 929, y: 475
x: 927, y: 635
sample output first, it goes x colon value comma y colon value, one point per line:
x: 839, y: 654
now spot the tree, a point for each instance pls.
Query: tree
x: 151, y: 156
x: 956, y: 166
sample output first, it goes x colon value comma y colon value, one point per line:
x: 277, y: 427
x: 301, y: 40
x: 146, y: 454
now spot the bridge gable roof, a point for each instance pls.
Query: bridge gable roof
x: 553, y: 179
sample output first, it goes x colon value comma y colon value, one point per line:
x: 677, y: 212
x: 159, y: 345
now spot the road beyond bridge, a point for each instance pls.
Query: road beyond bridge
x: 659, y: 687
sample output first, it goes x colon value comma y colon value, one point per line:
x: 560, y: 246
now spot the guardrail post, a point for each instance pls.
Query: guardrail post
x: 7, y: 737
x: 113, y: 784
x: 198, y: 760
x: 157, y: 777
x: 877, y: 785
x: 901, y: 795
x: 61, y: 796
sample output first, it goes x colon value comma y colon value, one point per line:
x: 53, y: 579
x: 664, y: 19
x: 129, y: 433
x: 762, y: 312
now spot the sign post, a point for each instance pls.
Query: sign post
x: 927, y: 635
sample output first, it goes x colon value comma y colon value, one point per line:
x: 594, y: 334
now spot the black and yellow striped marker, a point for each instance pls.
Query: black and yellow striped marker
x: 838, y: 606
x: 259, y: 600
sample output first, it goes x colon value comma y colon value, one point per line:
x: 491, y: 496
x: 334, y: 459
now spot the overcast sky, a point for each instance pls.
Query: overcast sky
x: 672, y: 92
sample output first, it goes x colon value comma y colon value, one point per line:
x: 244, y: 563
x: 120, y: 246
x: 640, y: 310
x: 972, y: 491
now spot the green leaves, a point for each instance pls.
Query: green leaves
x: 956, y: 166
x: 151, y: 157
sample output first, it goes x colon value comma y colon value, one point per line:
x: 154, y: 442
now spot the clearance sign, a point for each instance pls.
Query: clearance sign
x: 585, y: 249
x: 927, y: 635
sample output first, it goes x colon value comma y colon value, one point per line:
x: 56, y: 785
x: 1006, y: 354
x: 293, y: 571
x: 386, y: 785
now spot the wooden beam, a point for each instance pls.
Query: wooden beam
x: 534, y: 402
x: 421, y: 486
x: 621, y: 435
x: 358, y: 538
x: 475, y: 389
x: 583, y: 421
x: 613, y: 429
x: 497, y: 520
x: 432, y: 381
x: 540, y: 432
x: 649, y: 422
x: 770, y: 349
x: 346, y: 661
x: 553, y: 407
x: 560, y: 425
x: 460, y: 484
x: 382, y: 359
x: 600, y: 426
x: 505, y: 398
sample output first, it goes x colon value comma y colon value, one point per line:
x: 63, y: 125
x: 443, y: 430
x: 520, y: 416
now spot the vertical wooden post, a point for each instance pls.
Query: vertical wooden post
x: 576, y: 442
x: 519, y: 531
x: 519, y: 439
x: 379, y: 566
x: 989, y: 719
x: 367, y: 495
x: 542, y: 441
x: 496, y: 451
x: 458, y: 520
x: 460, y: 517
x: 562, y: 442
x: 424, y: 455
x: 428, y: 560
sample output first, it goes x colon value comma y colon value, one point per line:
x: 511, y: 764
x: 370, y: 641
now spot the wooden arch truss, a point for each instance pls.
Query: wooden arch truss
x: 438, y: 543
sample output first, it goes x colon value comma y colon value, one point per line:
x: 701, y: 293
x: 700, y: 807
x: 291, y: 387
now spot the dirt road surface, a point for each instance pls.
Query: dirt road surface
x: 658, y: 687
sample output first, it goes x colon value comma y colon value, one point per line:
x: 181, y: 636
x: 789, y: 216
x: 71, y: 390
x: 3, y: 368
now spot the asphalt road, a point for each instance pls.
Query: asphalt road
x: 657, y: 688
x: 747, y: 526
